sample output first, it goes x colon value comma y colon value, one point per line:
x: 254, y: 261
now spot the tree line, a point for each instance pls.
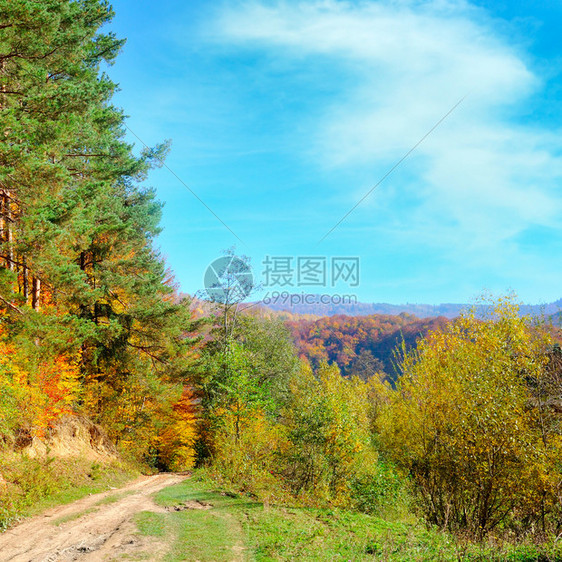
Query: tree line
x: 468, y: 436
x: 360, y: 344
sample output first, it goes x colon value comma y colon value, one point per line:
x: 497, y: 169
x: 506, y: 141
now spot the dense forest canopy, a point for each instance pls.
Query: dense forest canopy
x: 361, y: 344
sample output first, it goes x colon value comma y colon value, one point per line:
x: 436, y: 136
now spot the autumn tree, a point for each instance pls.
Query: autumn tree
x: 81, y: 276
x: 251, y: 374
x: 326, y: 420
x: 466, y: 423
x: 177, y: 438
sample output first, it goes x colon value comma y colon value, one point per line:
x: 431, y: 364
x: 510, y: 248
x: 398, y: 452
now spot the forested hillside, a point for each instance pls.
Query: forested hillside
x: 361, y: 345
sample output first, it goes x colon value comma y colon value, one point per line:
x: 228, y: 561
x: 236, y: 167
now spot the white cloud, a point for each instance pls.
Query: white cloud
x: 413, y: 60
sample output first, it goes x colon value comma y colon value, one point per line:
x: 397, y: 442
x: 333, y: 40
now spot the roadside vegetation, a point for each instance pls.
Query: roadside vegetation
x: 34, y: 485
x: 237, y: 526
x: 468, y: 439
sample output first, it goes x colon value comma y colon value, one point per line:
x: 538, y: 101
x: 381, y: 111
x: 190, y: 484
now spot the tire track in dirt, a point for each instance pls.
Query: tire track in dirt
x: 88, y: 530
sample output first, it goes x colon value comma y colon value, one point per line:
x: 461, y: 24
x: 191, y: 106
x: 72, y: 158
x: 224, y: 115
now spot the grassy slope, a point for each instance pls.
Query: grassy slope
x: 239, y: 528
x: 37, y: 484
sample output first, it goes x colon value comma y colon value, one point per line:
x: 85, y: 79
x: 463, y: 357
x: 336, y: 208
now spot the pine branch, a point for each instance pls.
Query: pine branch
x: 10, y: 305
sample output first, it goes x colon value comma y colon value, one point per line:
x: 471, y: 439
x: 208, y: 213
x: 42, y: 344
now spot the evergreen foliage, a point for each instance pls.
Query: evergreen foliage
x: 81, y: 279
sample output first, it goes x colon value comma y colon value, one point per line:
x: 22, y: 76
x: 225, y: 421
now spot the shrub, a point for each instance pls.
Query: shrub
x: 467, y: 424
x: 381, y: 491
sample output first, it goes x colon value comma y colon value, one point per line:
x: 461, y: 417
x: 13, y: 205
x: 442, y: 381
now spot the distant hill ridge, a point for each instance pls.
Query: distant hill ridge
x: 448, y: 310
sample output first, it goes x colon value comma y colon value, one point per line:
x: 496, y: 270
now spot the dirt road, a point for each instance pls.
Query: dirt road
x: 95, y: 528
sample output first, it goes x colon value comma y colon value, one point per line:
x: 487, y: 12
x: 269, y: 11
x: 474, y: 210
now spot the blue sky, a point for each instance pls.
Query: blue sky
x: 283, y: 114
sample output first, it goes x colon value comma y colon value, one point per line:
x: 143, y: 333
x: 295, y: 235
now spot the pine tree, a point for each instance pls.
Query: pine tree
x: 79, y: 270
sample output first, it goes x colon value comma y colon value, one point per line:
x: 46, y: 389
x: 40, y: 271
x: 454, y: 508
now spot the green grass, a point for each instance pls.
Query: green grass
x: 151, y: 524
x: 112, y: 498
x: 207, y: 535
x: 73, y: 516
x: 239, y: 528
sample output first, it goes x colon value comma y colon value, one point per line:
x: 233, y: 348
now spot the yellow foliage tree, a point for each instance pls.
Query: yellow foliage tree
x: 466, y: 422
x: 327, y: 421
x: 177, y: 440
x: 247, y: 451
